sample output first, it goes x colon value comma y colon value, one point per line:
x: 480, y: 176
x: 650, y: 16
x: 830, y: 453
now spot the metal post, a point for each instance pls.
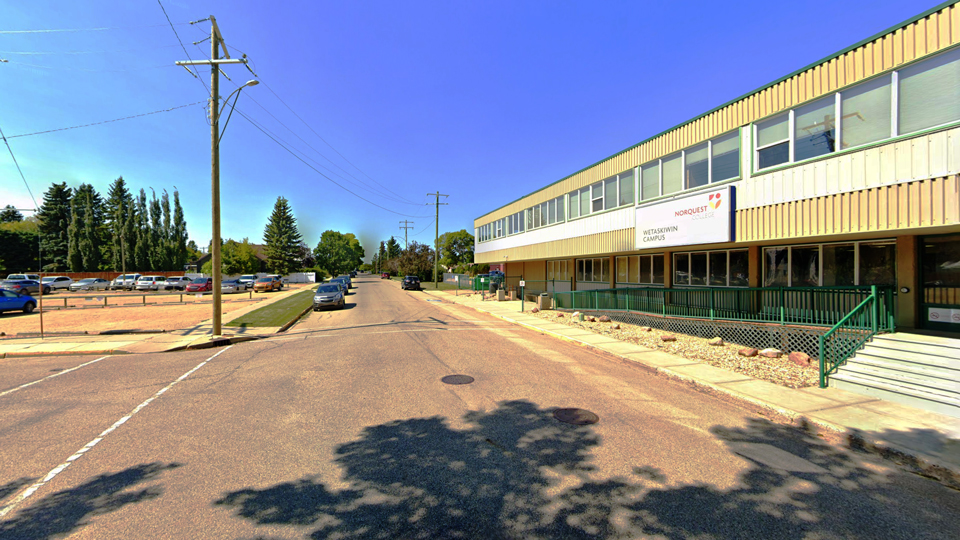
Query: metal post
x: 522, y: 299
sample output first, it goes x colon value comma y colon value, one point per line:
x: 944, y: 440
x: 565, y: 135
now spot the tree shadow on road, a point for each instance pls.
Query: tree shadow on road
x: 65, y: 511
x: 518, y: 473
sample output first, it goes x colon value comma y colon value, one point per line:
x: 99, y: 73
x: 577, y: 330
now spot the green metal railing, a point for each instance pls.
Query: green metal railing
x: 870, y: 317
x: 813, y: 306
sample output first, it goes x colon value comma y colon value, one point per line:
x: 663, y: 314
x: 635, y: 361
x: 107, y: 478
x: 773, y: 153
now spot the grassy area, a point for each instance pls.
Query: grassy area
x: 278, y: 313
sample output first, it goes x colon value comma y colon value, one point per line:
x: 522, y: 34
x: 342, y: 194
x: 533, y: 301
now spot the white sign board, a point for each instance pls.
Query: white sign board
x: 523, y: 283
x: 943, y: 315
x: 699, y: 219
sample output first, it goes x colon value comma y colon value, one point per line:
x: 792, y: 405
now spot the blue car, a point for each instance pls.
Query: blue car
x: 11, y: 301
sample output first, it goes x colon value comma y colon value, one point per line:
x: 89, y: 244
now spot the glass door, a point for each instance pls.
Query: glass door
x: 940, y: 276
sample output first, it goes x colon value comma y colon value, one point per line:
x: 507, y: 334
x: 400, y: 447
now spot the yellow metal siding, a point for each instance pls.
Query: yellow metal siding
x: 913, y: 205
x: 620, y: 241
x: 923, y: 37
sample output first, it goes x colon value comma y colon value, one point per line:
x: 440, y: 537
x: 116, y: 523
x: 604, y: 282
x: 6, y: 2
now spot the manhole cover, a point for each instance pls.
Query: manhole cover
x: 457, y: 379
x: 577, y: 417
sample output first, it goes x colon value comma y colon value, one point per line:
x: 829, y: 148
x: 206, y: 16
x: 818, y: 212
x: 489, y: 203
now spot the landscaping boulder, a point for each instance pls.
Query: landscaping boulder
x: 771, y: 353
x: 616, y: 327
x: 559, y: 315
x: 748, y: 352
x: 535, y: 310
x: 717, y: 341
x: 591, y: 319
x: 668, y: 338
x: 604, y: 318
x: 643, y: 329
x: 801, y: 359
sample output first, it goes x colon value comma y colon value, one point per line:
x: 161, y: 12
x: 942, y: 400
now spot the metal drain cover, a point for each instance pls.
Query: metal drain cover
x: 577, y: 417
x: 457, y: 379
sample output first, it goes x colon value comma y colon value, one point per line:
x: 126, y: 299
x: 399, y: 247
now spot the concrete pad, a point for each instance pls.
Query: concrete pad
x: 658, y: 359
x: 777, y: 396
x: 841, y: 397
x: 931, y: 419
x: 708, y: 373
x: 621, y: 348
x: 101, y: 346
x: 775, y: 458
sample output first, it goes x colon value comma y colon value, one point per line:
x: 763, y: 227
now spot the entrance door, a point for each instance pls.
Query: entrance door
x: 940, y: 267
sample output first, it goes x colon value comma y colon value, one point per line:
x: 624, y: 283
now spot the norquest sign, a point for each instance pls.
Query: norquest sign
x: 699, y: 219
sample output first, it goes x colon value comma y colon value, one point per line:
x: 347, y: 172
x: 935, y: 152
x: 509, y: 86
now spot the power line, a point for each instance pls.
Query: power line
x: 100, y: 29
x: 34, y: 199
x: 106, y: 121
x: 292, y: 153
x: 59, y: 53
x: 59, y: 68
x: 172, y: 27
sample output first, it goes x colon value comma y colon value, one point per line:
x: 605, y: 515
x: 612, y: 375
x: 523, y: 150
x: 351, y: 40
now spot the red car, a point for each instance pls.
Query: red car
x: 203, y: 284
x: 384, y: 275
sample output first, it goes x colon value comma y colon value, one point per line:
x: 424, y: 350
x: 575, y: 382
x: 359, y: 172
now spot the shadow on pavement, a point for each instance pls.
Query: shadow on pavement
x: 64, y: 512
x: 518, y: 473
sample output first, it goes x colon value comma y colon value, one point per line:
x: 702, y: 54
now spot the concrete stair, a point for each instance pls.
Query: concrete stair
x: 911, y: 369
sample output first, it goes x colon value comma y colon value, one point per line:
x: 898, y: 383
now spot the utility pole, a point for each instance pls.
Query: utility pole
x: 405, y: 225
x: 216, y: 42
x: 436, y: 242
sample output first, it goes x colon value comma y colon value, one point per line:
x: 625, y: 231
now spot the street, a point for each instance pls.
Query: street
x: 343, y: 428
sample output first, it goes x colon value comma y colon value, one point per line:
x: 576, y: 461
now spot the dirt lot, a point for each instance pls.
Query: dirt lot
x: 96, y: 319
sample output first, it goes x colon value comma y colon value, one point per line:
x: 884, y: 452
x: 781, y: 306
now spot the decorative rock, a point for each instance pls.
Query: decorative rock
x: 771, y: 353
x: 801, y: 359
x: 616, y: 327
x: 591, y: 319
x: 716, y: 341
x: 604, y: 318
x: 535, y: 310
x: 559, y: 315
x: 748, y: 352
x: 644, y: 329
x: 668, y: 338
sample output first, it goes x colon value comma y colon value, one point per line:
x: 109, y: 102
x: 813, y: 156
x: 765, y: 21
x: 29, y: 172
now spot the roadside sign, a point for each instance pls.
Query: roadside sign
x: 522, y: 283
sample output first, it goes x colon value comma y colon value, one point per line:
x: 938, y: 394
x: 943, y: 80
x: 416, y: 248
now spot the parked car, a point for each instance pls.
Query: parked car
x: 231, y: 286
x: 25, y: 286
x: 11, y: 301
x: 124, y: 281
x: 347, y: 280
x: 268, y: 283
x: 57, y: 282
x: 328, y: 295
x: 176, y: 283
x: 278, y: 278
x: 34, y: 277
x: 90, y: 284
x: 410, y: 283
x: 384, y: 275
x: 353, y: 274
x: 247, y: 280
x: 201, y: 284
x: 150, y: 283
x: 343, y: 284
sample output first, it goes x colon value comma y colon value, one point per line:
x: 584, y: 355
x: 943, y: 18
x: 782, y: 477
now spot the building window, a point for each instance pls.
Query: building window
x: 831, y: 265
x: 712, y: 161
x: 640, y: 269
x: 593, y: 270
x: 920, y: 96
x: 711, y: 268
x: 607, y: 194
x: 557, y: 270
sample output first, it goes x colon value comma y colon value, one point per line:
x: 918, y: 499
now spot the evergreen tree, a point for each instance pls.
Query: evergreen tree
x: 179, y: 235
x: 9, y: 214
x: 393, y: 249
x: 86, y: 230
x: 166, y: 234
x: 157, y: 248
x: 141, y: 221
x: 282, y: 239
x: 74, y: 232
x: 54, y: 218
x: 92, y: 237
x: 119, y: 204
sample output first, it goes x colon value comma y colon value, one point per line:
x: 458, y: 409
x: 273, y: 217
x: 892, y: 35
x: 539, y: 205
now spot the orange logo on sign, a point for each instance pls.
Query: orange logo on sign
x: 714, y: 200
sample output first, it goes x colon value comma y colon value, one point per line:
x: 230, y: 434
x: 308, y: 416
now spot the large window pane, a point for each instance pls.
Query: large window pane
x: 585, y: 201
x: 681, y: 269
x: 604, y: 270
x: 739, y: 269
x: 672, y: 175
x: 929, y: 94
x: 773, y: 155
x: 805, y: 267
x: 773, y: 130
x: 865, y: 111
x: 643, y: 274
x: 698, y: 268
x: 718, y: 269
x: 697, y: 167
x: 815, y: 133
x: 574, y: 205
x: 658, y: 269
x: 588, y: 269
x: 726, y: 157
x: 878, y: 264
x: 623, y: 268
x: 529, y: 212
x: 553, y: 211
x: 650, y: 181
x: 596, y: 197
x: 560, y: 201
x: 775, y: 267
x: 610, y: 193
x: 626, y: 187
x: 839, y: 265
x: 634, y: 273
x: 580, y: 270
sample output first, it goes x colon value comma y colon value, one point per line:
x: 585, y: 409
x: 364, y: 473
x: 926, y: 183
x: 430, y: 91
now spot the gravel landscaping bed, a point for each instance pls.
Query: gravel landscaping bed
x: 776, y: 370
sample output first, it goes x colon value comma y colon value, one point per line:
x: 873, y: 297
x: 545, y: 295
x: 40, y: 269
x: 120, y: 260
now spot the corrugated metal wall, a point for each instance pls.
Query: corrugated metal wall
x: 924, y: 203
x: 620, y: 241
x: 920, y: 38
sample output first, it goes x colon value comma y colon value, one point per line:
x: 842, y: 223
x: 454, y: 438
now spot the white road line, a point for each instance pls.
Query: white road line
x: 79, y: 453
x: 22, y: 386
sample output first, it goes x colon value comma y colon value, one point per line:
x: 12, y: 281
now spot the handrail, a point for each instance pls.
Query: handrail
x: 869, y: 321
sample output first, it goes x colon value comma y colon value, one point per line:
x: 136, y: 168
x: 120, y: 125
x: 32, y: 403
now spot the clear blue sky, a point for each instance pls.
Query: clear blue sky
x: 483, y: 101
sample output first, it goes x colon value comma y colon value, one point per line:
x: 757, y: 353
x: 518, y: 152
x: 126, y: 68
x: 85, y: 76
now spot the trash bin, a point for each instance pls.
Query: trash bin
x: 493, y: 286
x: 543, y: 301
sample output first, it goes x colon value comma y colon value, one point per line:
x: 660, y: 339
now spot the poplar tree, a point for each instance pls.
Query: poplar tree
x: 179, y: 234
x: 74, y: 231
x: 157, y: 247
x: 117, y: 216
x: 142, y: 231
x: 282, y: 239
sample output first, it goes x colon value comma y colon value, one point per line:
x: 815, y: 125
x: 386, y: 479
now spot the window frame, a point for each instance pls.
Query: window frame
x: 640, y: 195
x: 819, y: 246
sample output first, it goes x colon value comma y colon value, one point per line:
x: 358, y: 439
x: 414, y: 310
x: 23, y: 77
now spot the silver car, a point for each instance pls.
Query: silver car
x: 90, y: 284
x: 231, y: 286
x: 329, y: 295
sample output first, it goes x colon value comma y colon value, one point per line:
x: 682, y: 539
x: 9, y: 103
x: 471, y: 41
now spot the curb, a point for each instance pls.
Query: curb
x: 111, y: 352
x: 854, y: 439
x: 214, y: 343
x: 293, y: 321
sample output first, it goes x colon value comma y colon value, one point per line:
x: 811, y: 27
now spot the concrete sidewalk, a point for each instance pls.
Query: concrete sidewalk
x: 925, y: 440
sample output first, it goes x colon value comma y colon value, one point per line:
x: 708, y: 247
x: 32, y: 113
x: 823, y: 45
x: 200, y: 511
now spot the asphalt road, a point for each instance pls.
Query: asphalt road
x: 342, y: 428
